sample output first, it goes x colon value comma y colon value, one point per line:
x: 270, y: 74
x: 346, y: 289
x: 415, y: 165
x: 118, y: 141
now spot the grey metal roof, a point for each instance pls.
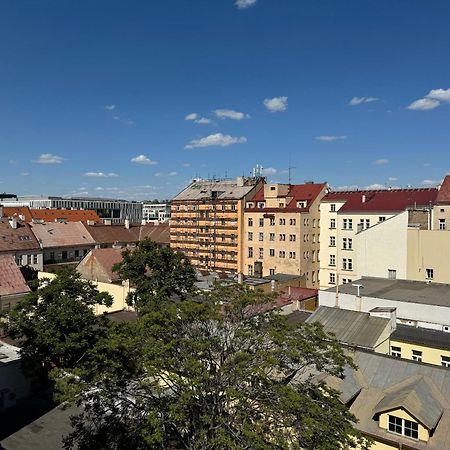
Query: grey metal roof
x: 297, y: 317
x: 387, y: 382
x: 400, y: 290
x: 351, y: 327
x: 225, y: 189
x: 418, y: 397
x: 422, y: 336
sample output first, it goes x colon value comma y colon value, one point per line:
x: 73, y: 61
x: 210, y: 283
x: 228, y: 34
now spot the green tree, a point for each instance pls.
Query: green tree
x: 156, y: 274
x: 207, y: 373
x: 56, y: 324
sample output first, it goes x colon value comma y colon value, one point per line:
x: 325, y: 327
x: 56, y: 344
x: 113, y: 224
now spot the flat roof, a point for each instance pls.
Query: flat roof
x: 422, y: 336
x: 399, y: 290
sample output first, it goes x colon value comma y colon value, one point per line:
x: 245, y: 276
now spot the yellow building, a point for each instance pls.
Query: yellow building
x: 207, y: 219
x: 281, y: 231
x: 345, y: 215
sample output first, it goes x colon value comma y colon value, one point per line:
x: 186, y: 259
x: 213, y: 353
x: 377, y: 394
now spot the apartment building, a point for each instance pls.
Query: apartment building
x: 441, y: 210
x: 345, y: 214
x: 207, y: 219
x: 281, y: 231
x: 155, y: 212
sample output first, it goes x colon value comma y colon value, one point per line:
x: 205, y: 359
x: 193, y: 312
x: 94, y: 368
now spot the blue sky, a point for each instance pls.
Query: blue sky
x: 94, y: 95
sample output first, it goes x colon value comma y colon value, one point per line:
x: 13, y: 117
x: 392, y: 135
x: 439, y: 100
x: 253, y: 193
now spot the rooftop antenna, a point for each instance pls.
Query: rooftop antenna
x: 358, y: 289
x: 289, y: 172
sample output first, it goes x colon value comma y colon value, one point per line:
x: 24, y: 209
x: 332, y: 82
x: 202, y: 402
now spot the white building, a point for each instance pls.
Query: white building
x: 155, y: 212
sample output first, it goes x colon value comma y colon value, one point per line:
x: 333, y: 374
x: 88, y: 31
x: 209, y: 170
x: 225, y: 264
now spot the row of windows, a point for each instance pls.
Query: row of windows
x: 314, y: 274
x: 347, y: 224
x: 347, y: 263
x: 281, y: 204
x: 283, y: 253
x: 220, y: 207
x: 26, y: 260
x: 417, y: 355
x: 347, y: 243
x: 332, y: 279
x: 282, y: 221
x: 281, y: 237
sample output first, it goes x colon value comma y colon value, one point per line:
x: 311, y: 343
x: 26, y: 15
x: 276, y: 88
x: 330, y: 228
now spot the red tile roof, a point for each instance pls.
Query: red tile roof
x: 297, y: 294
x: 157, y: 233
x: 443, y: 196
x: 103, y: 259
x: 11, y: 278
x: 68, y: 215
x: 16, y: 239
x: 16, y: 211
x: 110, y: 234
x: 297, y: 192
x: 395, y: 200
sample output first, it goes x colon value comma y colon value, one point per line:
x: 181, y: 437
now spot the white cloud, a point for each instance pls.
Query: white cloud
x: 110, y: 107
x: 440, y: 94
x: 269, y: 171
x: 330, y: 138
x: 203, y: 121
x: 142, y: 159
x: 381, y: 162
x: 116, y: 115
x: 244, y: 4
x: 430, y: 182
x: 49, y: 158
x: 169, y: 174
x: 432, y: 100
x: 186, y: 164
x: 424, y: 104
x: 230, y: 114
x: 392, y: 179
x: 192, y: 116
x: 359, y: 100
x: 100, y: 174
x: 276, y: 104
x: 375, y: 186
x: 216, y: 140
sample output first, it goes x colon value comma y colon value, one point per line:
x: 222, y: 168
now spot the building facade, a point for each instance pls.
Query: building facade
x: 155, y: 212
x: 207, y: 219
x: 109, y: 210
x: 345, y: 214
x: 281, y: 231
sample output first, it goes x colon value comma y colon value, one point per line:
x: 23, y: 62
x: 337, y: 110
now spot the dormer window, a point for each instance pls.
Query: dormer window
x: 301, y: 204
x: 261, y: 204
x: 404, y: 427
x: 250, y: 205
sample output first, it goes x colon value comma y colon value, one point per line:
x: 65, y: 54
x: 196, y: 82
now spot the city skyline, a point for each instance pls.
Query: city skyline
x: 134, y: 100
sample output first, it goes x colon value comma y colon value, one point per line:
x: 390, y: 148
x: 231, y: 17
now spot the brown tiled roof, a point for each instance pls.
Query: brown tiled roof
x: 68, y: 215
x: 443, y: 196
x: 11, y: 278
x: 16, y: 239
x: 394, y: 200
x: 110, y: 234
x: 157, y: 233
x: 105, y: 258
x: 61, y: 234
x: 17, y: 211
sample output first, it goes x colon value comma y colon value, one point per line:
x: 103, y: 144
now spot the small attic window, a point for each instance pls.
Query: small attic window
x: 24, y: 238
x: 301, y: 204
x: 272, y: 188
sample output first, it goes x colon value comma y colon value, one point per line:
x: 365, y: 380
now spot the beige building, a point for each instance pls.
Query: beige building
x: 281, y: 231
x: 345, y: 215
x: 441, y: 210
x: 207, y: 219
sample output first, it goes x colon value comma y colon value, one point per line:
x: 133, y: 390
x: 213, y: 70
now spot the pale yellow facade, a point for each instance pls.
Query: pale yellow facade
x: 402, y: 414
x: 441, y: 217
x: 429, y: 354
x: 277, y: 241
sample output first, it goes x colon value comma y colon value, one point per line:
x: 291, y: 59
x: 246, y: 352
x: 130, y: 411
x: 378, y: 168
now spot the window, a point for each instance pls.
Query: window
x: 261, y: 253
x: 392, y: 274
x: 233, y: 207
x: 292, y: 237
x: 77, y: 253
x: 250, y: 252
x: 347, y: 224
x: 52, y: 256
x: 261, y: 236
x: 271, y: 271
x: 292, y: 255
x: 445, y: 361
x: 332, y: 278
x: 282, y: 237
x: 282, y: 254
x: 271, y: 236
x: 347, y: 264
x: 250, y: 270
x: 442, y: 224
x: 250, y: 222
x: 261, y: 204
x: 261, y: 222
x: 332, y: 207
x: 282, y: 221
x: 381, y: 219
x: 313, y: 256
x: 332, y: 224
x: 272, y: 221
x: 35, y: 259
x: 292, y: 221
x: 430, y: 274
x: 332, y: 260
x: 347, y: 244
x: 250, y: 236
x: 272, y: 252
x: 417, y: 355
x: 28, y: 260
x: 396, y: 351
x: 332, y: 241
x: 403, y: 426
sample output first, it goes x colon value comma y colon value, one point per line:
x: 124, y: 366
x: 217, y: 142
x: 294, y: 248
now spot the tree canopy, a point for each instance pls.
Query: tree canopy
x: 56, y: 325
x: 206, y: 373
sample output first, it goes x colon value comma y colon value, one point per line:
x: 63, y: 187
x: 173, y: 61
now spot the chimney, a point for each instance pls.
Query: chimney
x: 127, y: 223
x: 272, y: 285
x: 363, y: 198
x: 386, y: 313
x: 1, y: 211
x: 240, y: 278
x: 13, y: 222
x: 91, y: 223
x: 21, y: 217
